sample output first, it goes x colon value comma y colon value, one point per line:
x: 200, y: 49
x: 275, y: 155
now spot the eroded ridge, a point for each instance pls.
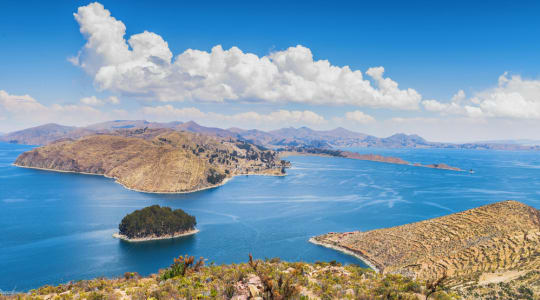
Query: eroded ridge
x: 494, y: 238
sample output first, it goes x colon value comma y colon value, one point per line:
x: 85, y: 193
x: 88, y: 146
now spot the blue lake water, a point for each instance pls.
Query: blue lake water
x: 57, y: 227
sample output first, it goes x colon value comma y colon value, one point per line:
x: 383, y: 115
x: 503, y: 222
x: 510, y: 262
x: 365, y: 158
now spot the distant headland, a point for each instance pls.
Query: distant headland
x: 353, y: 155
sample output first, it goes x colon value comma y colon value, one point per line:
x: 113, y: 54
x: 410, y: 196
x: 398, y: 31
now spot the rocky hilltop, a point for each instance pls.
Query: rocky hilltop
x: 156, y: 160
x: 495, y: 243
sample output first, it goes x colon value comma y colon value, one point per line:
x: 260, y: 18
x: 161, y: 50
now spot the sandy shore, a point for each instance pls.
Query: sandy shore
x: 150, y: 192
x: 155, y: 238
x: 346, y: 251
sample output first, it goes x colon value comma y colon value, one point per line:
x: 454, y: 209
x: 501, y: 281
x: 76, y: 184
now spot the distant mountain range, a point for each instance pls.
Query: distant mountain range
x: 281, y: 138
x: 523, y: 142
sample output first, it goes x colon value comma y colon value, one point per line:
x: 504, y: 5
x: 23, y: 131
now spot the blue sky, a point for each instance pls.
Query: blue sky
x: 435, y: 48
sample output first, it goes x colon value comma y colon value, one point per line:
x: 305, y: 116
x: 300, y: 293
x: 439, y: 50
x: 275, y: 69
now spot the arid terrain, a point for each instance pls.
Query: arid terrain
x: 493, y: 244
x: 156, y: 160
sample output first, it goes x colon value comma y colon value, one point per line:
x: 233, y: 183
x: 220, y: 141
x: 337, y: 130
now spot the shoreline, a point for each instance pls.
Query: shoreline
x: 150, y: 192
x: 430, y: 166
x: 346, y: 251
x: 154, y: 238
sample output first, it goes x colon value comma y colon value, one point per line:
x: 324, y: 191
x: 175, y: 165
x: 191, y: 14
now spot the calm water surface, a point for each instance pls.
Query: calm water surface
x: 57, y: 227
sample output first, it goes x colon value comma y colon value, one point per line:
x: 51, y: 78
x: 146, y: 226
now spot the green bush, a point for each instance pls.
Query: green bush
x: 156, y: 220
x: 215, y: 177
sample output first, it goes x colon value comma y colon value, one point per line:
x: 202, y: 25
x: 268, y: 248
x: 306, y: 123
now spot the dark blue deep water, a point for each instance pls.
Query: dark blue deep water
x: 57, y: 227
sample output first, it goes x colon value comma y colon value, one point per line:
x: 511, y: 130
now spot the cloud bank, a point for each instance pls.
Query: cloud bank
x: 513, y: 97
x: 144, y: 66
x: 27, y: 111
x: 17, y: 111
x: 94, y: 101
x: 276, y: 118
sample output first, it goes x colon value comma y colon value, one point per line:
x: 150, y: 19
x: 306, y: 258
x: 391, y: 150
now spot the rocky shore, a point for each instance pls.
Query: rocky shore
x: 347, y: 251
x: 155, y: 238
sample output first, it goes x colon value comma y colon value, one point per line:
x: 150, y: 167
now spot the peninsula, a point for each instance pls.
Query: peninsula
x: 157, y: 160
x: 494, y: 243
x: 287, y: 151
x: 156, y: 223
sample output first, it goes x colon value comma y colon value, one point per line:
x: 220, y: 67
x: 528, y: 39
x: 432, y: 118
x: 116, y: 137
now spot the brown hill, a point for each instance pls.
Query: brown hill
x: 45, y: 134
x: 159, y: 160
x: 501, y: 238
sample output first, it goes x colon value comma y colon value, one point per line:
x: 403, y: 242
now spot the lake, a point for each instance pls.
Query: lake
x: 57, y: 227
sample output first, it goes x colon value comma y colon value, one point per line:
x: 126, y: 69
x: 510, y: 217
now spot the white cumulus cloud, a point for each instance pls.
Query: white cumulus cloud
x: 19, y: 111
x: 18, y: 103
x: 144, y: 66
x: 513, y: 97
x: 358, y: 117
x: 94, y: 101
x: 250, y: 119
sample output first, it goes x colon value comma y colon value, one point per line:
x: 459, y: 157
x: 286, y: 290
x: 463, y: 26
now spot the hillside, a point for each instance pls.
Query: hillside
x: 44, y: 134
x: 495, y: 243
x: 272, y: 279
x: 156, y: 160
x: 188, y: 278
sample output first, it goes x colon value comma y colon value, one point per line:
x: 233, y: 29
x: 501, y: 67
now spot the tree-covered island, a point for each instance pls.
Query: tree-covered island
x: 155, y: 222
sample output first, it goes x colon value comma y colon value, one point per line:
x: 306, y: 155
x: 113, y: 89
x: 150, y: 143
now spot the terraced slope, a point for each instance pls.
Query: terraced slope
x: 158, y: 160
x: 499, y: 238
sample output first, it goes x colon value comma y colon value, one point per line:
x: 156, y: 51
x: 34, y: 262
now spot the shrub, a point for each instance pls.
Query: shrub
x: 181, y: 266
x: 156, y: 220
x: 215, y: 177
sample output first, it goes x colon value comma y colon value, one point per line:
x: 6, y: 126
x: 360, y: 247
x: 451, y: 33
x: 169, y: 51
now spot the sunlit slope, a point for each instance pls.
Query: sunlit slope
x: 465, y: 246
x: 156, y: 161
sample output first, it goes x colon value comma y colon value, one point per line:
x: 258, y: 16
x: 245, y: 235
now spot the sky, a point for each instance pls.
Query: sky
x: 452, y: 71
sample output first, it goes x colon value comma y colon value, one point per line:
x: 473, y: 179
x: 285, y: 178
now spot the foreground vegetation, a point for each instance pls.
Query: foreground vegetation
x: 156, y: 221
x: 188, y: 278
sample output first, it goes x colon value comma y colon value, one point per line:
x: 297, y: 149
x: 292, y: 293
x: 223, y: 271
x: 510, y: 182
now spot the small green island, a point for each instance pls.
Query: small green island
x: 156, y: 223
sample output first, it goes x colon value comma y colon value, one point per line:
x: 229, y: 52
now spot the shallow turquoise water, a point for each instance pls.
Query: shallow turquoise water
x: 57, y: 227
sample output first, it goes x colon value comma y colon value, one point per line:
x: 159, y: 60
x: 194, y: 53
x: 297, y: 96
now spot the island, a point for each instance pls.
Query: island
x: 499, y: 242
x: 157, y: 160
x: 156, y: 223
